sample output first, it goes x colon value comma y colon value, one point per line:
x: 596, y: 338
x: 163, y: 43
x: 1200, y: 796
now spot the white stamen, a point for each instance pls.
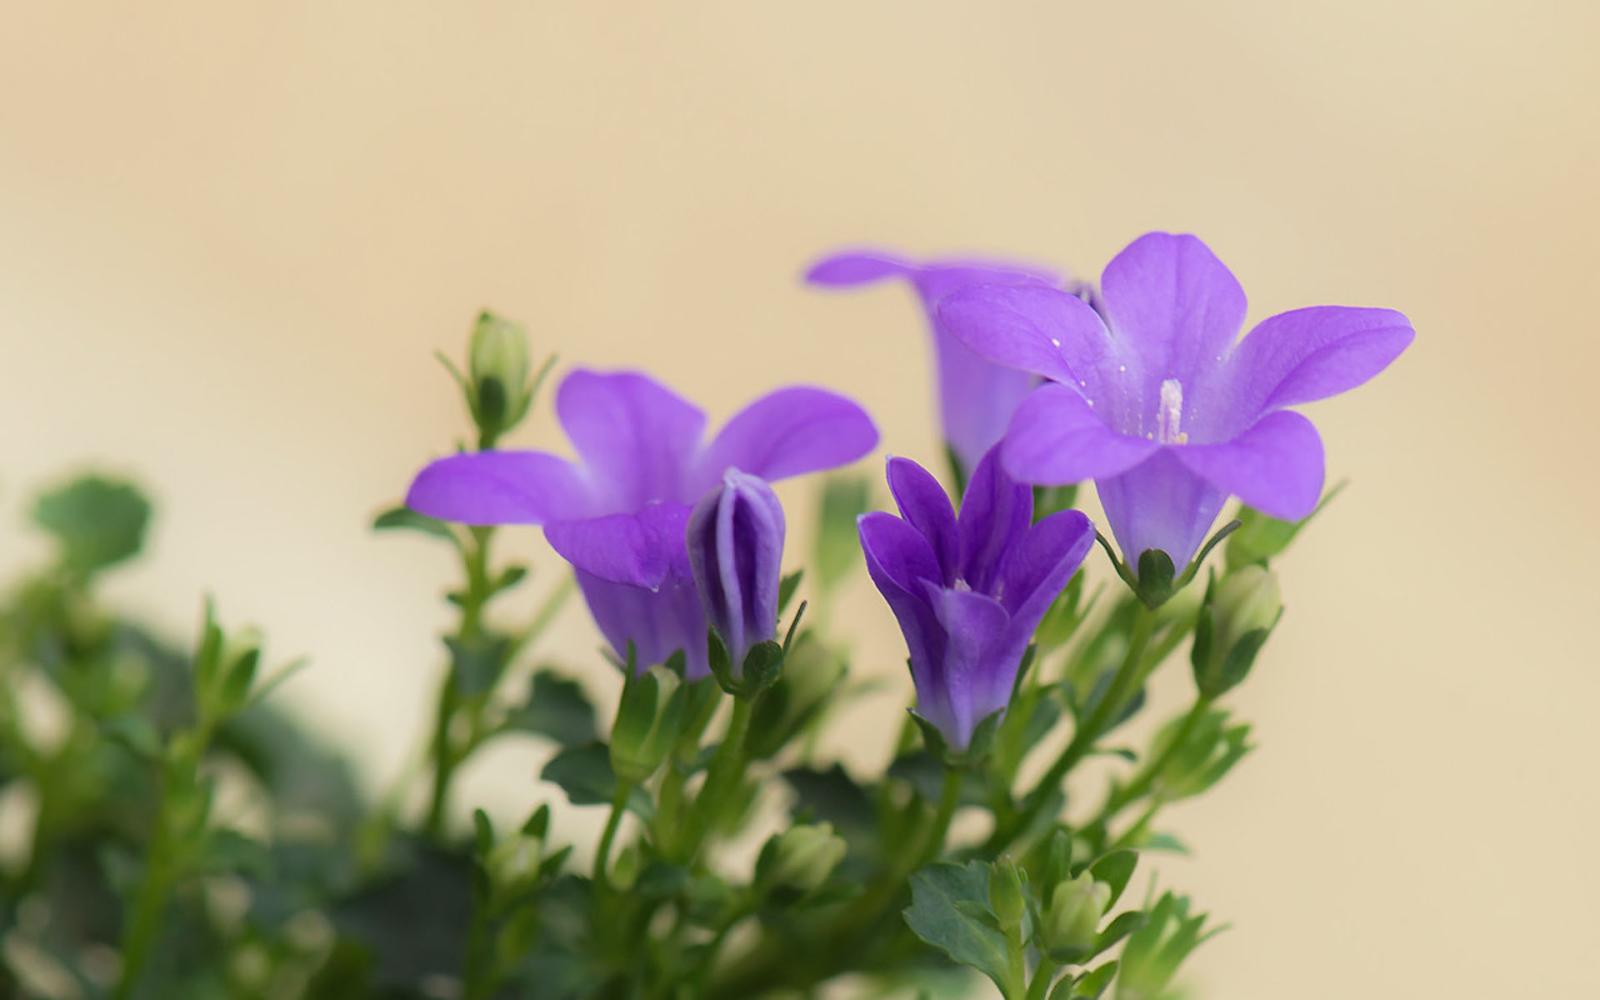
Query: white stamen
x: 1055, y: 341
x: 1169, y: 414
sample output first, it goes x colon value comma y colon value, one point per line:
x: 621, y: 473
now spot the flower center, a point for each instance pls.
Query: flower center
x: 1169, y: 413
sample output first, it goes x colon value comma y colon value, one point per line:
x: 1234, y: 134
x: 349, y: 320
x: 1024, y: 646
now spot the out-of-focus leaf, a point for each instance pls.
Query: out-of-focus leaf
x: 97, y: 521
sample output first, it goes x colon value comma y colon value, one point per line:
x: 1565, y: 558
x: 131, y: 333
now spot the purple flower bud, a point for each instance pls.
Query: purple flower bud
x: 735, y: 539
x: 968, y: 590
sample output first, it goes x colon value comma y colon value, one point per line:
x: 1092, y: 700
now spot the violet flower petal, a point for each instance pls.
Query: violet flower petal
x: 500, y: 487
x: 976, y: 398
x: 1309, y: 354
x: 1046, y: 331
x: 924, y: 504
x: 1040, y: 564
x: 1275, y: 466
x: 1174, y: 304
x: 1160, y: 504
x: 978, y: 673
x: 735, y: 545
x: 995, y: 511
x: 789, y: 432
x: 899, y: 561
x: 634, y: 549
x: 635, y: 436
x: 1057, y: 438
x: 657, y: 622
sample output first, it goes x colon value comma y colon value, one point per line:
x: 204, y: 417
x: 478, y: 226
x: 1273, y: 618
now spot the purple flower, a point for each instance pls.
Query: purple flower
x: 736, y: 554
x: 976, y: 398
x: 968, y: 591
x: 619, y: 514
x: 1155, y: 401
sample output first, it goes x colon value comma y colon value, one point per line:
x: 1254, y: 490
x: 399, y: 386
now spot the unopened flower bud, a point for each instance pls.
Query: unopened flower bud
x: 649, y: 718
x: 735, y: 538
x: 1007, y: 895
x: 806, y: 856
x: 1235, y: 620
x: 1073, y: 919
x: 497, y: 369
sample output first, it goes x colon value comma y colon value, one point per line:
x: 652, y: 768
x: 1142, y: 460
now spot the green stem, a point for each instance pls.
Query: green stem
x: 446, y: 756
x: 856, y: 927
x: 1016, y: 985
x: 602, y: 854
x: 1043, y: 977
x: 710, y: 805
x: 1146, y: 775
x: 144, y: 919
x: 1129, y: 677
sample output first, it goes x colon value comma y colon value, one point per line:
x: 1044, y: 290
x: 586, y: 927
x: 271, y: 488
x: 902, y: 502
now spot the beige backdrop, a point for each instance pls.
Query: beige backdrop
x: 231, y: 235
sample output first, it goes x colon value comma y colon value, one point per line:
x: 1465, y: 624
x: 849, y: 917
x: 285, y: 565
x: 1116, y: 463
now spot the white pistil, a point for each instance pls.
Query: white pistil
x: 1169, y: 413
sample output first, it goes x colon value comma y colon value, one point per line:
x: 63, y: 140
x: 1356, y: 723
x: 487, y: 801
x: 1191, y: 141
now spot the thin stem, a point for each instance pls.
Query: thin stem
x: 1129, y: 676
x: 144, y: 919
x: 711, y: 804
x: 1043, y: 977
x: 602, y: 854
x: 1146, y: 776
x: 446, y: 756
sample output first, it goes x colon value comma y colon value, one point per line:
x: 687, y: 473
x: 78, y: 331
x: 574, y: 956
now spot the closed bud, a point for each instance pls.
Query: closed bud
x: 806, y: 855
x: 649, y: 718
x: 1008, y: 895
x: 735, y: 538
x: 1073, y: 919
x: 1234, y: 622
x: 497, y: 371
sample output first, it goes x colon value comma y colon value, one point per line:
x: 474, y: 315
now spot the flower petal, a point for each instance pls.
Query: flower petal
x: 850, y: 268
x: 1175, y: 304
x: 1032, y: 328
x: 995, y: 511
x: 788, y: 432
x: 500, y: 487
x: 1275, y: 466
x: 636, y: 549
x: 1309, y: 354
x: 1160, y: 504
x: 1039, y: 566
x: 924, y: 505
x: 735, y: 543
x: 657, y: 623
x: 636, y: 437
x: 1057, y: 437
x: 976, y: 398
x: 900, y: 564
x: 980, y: 662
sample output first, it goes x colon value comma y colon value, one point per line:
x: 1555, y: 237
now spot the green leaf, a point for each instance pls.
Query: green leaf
x: 136, y: 734
x: 787, y: 588
x: 1115, y: 869
x: 584, y: 773
x: 97, y: 522
x: 838, y: 549
x: 948, y: 902
x: 477, y: 663
x: 833, y: 796
x: 558, y: 708
x: 1091, y: 985
x: 406, y: 519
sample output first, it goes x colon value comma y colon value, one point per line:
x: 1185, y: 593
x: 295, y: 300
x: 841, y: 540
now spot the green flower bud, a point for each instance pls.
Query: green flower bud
x: 649, y: 719
x: 498, y: 388
x: 1073, y: 920
x: 1234, y: 622
x: 1008, y: 896
x: 806, y: 855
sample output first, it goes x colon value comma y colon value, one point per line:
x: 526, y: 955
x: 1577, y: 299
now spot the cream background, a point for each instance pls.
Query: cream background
x: 231, y: 235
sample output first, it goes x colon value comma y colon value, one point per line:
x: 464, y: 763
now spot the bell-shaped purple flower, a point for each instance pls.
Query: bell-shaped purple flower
x: 736, y: 555
x: 968, y: 591
x: 1154, y: 400
x: 976, y: 398
x: 620, y: 513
